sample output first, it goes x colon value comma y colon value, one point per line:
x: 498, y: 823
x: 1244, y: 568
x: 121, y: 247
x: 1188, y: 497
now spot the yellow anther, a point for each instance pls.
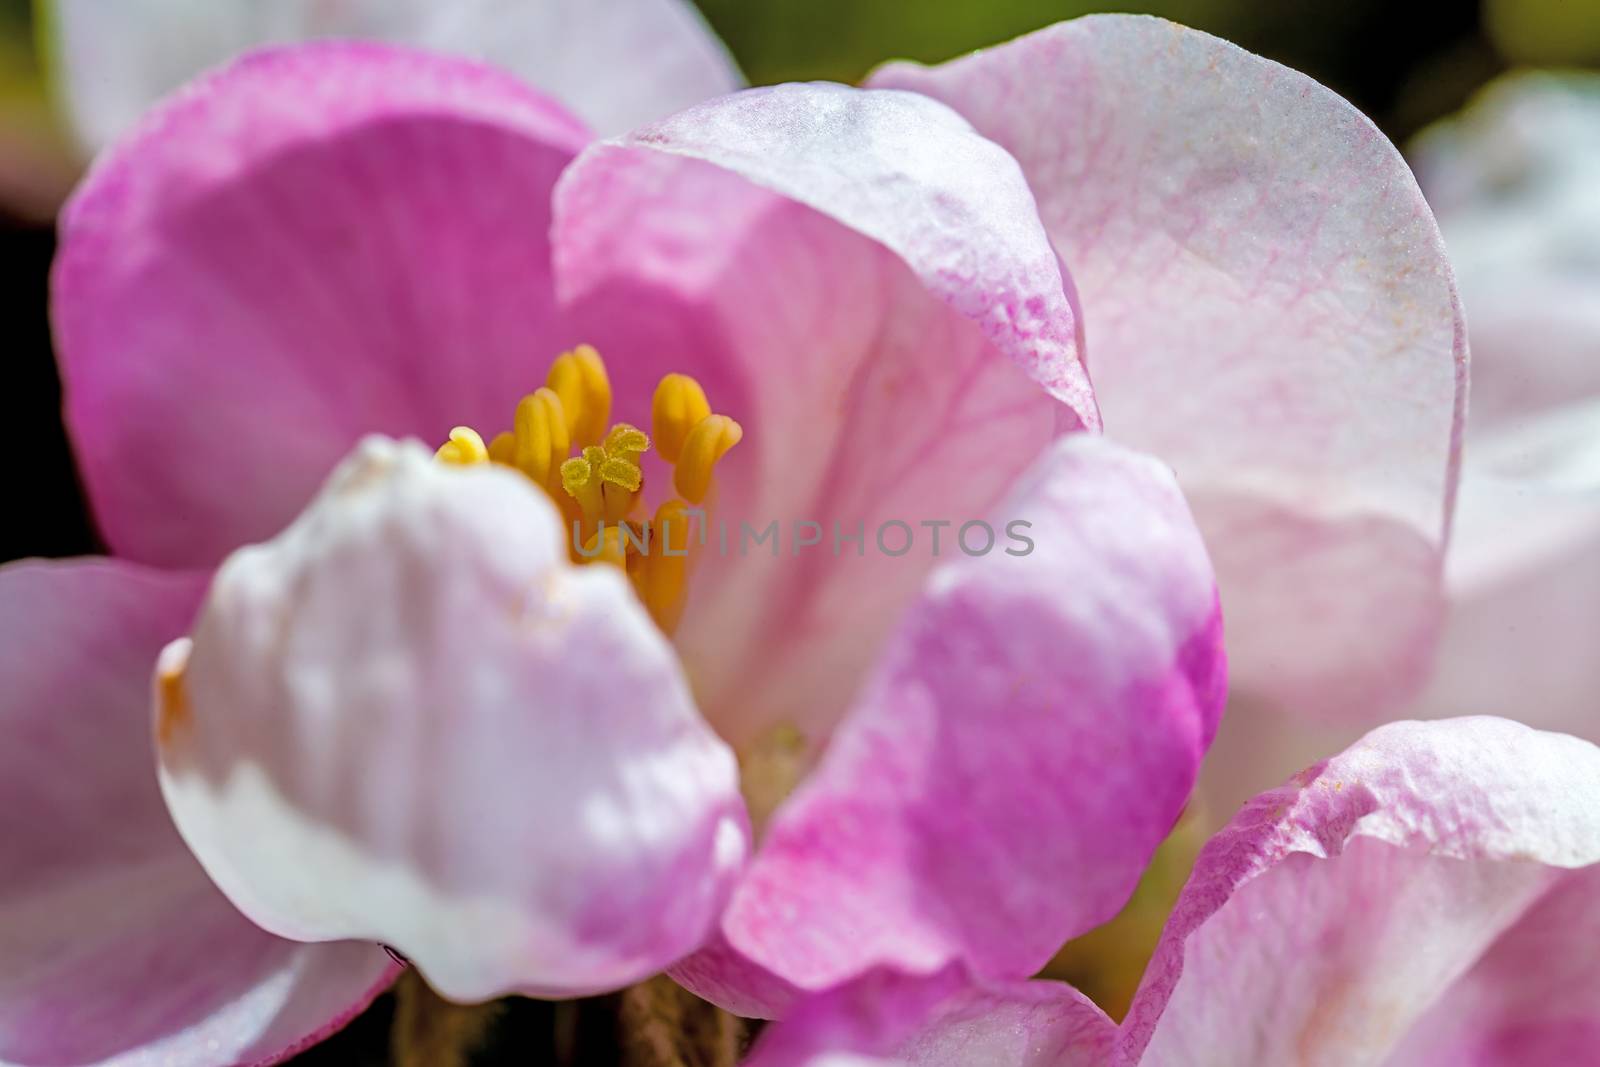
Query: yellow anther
x: 540, y: 437
x: 662, y: 578
x: 606, y: 479
x: 598, y: 490
x: 626, y: 441
x: 679, y: 406
x: 579, y: 379
x: 708, y: 442
x: 621, y: 473
x: 607, y: 546
x: 172, y: 700
x: 580, y: 477
x: 464, y: 448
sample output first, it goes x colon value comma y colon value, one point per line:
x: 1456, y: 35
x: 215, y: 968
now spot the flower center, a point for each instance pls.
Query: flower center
x: 599, y: 490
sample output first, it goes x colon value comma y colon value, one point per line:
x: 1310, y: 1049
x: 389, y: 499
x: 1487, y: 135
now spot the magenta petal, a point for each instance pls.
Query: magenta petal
x: 1325, y: 921
x: 942, y: 1020
x: 114, y: 946
x: 310, y: 244
x: 1027, y: 740
x: 1268, y: 307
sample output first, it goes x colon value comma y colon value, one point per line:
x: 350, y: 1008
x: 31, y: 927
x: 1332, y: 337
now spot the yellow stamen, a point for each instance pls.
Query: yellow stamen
x: 603, y: 482
x: 708, y: 442
x: 464, y: 448
x: 607, y: 546
x: 503, y: 448
x: 539, y: 436
x: 678, y: 407
x: 579, y: 379
x: 662, y: 578
x: 580, y: 477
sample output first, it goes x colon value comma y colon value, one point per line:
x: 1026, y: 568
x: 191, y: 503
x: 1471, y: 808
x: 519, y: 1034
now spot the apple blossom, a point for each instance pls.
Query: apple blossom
x: 949, y: 762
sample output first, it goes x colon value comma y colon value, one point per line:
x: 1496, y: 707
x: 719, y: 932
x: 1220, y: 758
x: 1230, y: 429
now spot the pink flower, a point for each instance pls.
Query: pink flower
x: 408, y: 717
x: 1426, y: 897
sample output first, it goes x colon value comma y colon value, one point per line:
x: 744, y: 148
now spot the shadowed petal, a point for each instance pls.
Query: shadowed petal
x: 1029, y: 737
x: 1267, y: 307
x: 308, y: 245
x: 114, y: 946
x: 410, y: 719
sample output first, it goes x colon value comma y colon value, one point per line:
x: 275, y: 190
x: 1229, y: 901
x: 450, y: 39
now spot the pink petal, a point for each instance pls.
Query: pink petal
x: 942, y: 1020
x: 864, y: 285
x: 286, y: 255
x: 616, y: 63
x: 114, y: 946
x: 1027, y: 740
x: 1513, y: 180
x: 411, y: 719
x: 1532, y: 999
x: 907, y: 173
x: 1524, y: 575
x: 1269, y: 307
x: 1326, y: 919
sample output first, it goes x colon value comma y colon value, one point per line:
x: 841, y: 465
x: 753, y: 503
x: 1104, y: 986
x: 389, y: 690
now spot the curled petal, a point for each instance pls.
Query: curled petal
x: 1328, y: 917
x: 616, y: 63
x: 114, y: 946
x: 285, y: 256
x: 1029, y: 737
x: 1268, y: 307
x: 908, y: 173
x: 411, y: 719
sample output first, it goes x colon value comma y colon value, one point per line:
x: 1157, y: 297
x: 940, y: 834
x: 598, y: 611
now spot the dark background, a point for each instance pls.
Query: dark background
x: 1404, y: 65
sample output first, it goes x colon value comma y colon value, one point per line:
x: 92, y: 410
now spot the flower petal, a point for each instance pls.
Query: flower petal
x: 1513, y: 181
x: 411, y: 719
x: 864, y: 284
x: 1524, y: 575
x: 617, y: 63
x: 942, y: 1020
x: 114, y: 946
x: 1533, y: 998
x: 1323, y: 922
x: 909, y: 174
x: 285, y: 256
x: 1030, y: 736
x: 1269, y: 307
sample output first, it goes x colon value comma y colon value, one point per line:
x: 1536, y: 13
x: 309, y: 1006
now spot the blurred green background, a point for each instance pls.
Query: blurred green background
x: 1403, y: 64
